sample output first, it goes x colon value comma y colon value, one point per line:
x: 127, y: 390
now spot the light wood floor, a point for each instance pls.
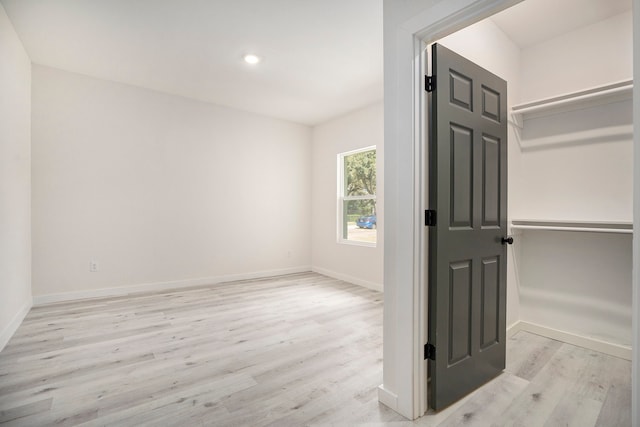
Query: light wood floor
x: 289, y: 351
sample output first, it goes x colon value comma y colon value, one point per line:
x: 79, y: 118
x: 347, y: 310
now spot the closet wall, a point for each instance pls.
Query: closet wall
x: 577, y: 167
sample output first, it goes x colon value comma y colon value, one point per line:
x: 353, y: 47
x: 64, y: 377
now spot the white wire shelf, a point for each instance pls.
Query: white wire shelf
x: 617, y: 227
x: 600, y: 95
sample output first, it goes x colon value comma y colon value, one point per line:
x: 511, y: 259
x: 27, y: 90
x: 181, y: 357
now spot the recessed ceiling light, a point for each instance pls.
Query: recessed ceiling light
x: 251, y: 59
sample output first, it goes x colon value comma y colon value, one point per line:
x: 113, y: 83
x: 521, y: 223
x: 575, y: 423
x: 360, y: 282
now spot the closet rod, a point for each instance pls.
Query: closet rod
x: 582, y: 229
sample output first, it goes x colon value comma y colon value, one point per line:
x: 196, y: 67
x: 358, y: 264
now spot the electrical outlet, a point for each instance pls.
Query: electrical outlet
x: 93, y: 266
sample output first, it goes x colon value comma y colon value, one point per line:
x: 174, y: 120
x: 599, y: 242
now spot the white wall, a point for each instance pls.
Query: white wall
x: 400, y: 329
x: 590, y: 56
x: 160, y: 189
x: 565, y: 176
x: 578, y: 165
x: 15, y: 180
x: 359, y: 264
x: 578, y: 283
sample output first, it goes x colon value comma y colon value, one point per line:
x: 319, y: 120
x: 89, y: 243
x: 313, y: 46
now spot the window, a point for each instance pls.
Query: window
x: 357, y: 218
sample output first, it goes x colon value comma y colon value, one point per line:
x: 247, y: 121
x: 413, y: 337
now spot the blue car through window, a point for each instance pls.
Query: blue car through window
x: 367, y: 221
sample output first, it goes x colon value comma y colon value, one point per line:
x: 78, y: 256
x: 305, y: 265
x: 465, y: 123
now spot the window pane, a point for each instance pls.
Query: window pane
x: 360, y: 174
x: 360, y: 220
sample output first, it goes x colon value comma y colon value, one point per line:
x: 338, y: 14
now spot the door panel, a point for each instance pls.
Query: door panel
x: 490, y: 181
x: 490, y: 302
x: 461, y: 176
x: 461, y: 90
x: 460, y: 317
x: 467, y: 262
x: 491, y: 104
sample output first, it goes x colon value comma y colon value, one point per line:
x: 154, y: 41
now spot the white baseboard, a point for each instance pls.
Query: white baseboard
x: 15, y: 323
x: 356, y: 281
x: 513, y: 329
x: 387, y: 398
x: 161, y: 286
x: 617, y: 350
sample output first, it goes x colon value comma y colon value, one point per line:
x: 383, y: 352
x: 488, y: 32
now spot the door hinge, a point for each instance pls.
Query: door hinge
x: 429, y: 83
x: 429, y: 352
x: 429, y: 218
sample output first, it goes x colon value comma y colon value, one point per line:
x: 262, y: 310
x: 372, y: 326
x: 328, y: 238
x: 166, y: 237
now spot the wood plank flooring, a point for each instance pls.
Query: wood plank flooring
x: 294, y: 350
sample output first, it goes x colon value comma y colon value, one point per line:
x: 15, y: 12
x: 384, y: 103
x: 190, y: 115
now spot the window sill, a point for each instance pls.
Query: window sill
x: 357, y: 243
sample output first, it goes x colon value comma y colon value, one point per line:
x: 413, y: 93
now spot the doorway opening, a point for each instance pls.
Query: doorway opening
x: 563, y: 123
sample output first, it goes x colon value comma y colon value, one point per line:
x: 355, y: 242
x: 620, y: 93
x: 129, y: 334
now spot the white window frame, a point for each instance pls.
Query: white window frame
x: 342, y: 198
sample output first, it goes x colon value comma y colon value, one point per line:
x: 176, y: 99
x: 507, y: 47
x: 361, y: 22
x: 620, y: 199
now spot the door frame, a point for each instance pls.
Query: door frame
x: 404, y: 387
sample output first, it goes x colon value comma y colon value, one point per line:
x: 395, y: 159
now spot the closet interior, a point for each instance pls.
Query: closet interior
x: 570, y: 177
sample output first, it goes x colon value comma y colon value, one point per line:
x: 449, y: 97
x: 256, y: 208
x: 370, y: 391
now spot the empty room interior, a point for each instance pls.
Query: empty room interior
x: 192, y: 216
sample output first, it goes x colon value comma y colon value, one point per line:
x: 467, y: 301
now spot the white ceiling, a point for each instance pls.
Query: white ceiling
x: 322, y: 58
x: 534, y: 21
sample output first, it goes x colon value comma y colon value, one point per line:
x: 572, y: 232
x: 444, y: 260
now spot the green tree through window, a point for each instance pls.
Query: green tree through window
x: 361, y: 169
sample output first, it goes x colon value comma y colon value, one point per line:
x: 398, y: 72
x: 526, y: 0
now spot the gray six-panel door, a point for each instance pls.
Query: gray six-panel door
x: 467, y: 257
